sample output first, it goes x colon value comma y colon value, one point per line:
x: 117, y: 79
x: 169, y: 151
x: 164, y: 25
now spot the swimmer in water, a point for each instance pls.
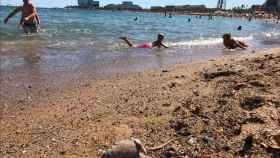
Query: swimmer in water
x: 170, y: 15
x: 158, y: 43
x: 250, y: 19
x: 30, y: 20
x: 239, y: 28
x: 231, y: 43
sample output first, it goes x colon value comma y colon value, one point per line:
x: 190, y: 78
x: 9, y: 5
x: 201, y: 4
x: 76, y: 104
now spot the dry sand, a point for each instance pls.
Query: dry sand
x: 220, y: 108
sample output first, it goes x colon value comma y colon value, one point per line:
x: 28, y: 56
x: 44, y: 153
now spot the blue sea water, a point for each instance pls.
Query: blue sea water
x: 87, y: 41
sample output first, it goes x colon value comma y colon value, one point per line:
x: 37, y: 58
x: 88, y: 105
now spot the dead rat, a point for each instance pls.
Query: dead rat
x: 129, y: 149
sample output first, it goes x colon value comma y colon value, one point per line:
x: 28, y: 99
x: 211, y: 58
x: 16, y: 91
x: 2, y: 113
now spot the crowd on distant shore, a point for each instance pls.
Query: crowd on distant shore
x: 256, y: 15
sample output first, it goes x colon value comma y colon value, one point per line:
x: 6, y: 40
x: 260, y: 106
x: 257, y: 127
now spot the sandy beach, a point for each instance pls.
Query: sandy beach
x: 227, y: 107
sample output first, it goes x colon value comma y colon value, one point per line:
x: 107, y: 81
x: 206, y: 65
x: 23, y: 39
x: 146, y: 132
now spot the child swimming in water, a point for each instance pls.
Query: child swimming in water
x: 29, y: 19
x: 231, y: 43
x: 158, y: 43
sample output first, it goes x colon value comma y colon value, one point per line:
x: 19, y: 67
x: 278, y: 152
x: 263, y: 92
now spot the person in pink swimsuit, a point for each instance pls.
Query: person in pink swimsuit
x: 158, y: 43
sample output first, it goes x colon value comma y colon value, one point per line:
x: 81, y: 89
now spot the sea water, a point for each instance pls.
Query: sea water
x: 75, y: 43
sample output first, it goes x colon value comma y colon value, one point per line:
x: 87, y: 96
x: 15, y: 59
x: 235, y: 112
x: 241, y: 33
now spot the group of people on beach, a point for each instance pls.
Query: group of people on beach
x: 30, y: 22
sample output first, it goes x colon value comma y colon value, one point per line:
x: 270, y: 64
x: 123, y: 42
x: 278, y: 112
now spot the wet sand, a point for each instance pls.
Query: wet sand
x: 213, y: 109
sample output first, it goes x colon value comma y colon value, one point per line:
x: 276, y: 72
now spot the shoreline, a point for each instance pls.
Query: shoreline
x: 264, y: 15
x: 210, y: 106
x: 257, y: 14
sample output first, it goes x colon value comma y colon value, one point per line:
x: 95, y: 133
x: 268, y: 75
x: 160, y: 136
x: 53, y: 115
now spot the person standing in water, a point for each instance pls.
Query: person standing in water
x: 158, y: 43
x: 30, y: 20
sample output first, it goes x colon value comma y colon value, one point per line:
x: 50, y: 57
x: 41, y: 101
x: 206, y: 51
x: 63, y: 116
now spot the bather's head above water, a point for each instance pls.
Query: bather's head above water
x: 26, y: 1
x: 227, y: 36
x: 160, y: 37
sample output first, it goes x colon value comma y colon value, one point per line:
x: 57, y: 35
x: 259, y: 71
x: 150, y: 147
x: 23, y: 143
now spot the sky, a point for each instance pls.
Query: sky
x: 143, y: 3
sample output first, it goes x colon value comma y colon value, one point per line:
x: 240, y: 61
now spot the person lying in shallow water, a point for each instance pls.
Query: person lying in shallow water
x: 29, y: 19
x: 158, y: 43
x: 231, y: 43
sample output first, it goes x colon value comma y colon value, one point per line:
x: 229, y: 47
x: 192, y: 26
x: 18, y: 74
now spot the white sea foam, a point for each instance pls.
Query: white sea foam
x: 206, y: 41
x: 271, y: 34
